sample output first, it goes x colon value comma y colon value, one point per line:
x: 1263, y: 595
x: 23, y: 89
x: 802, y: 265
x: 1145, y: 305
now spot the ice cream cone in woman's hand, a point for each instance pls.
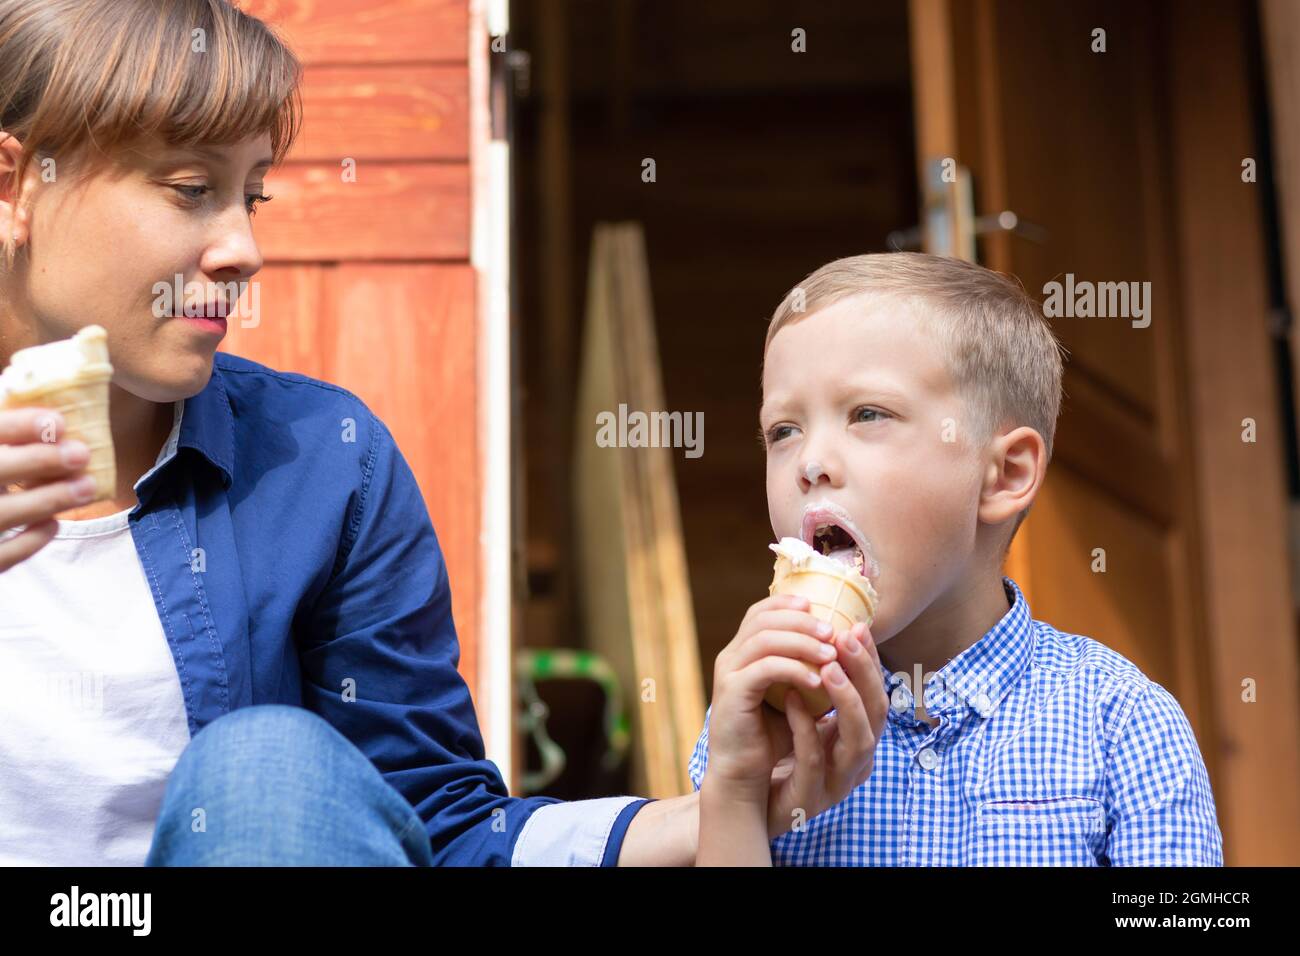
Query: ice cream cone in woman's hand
x: 70, y: 377
x: 837, y: 592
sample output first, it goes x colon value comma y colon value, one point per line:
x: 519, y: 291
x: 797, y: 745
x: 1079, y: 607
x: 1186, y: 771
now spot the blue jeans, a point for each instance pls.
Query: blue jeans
x: 275, y: 785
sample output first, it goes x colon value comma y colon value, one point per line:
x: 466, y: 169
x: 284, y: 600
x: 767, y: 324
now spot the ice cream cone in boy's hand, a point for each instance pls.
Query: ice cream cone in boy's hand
x: 71, y: 377
x: 837, y: 593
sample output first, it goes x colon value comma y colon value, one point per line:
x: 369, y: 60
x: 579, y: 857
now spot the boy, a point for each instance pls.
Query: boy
x: 909, y: 407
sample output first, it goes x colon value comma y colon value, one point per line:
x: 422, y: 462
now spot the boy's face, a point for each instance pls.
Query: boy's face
x: 861, y: 389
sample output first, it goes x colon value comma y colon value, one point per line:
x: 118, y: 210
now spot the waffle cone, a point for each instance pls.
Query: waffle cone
x: 83, y: 403
x: 841, y: 600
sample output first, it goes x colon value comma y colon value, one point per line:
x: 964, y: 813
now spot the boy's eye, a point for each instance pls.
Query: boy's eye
x: 776, y: 433
x: 862, y: 410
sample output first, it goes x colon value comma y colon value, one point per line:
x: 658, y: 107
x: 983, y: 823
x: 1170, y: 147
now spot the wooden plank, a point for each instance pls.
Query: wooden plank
x: 376, y: 31
x: 636, y: 597
x: 667, y: 585
x: 382, y: 112
x: 401, y: 211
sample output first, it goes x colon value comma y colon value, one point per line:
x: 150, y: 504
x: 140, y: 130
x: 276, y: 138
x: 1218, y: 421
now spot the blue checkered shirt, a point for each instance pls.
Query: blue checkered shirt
x: 1051, y: 750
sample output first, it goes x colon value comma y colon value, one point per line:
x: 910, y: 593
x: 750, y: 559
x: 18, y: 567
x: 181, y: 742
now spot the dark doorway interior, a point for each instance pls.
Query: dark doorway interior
x: 768, y: 163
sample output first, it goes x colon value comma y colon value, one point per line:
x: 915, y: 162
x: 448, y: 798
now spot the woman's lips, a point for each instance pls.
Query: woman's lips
x: 214, y: 326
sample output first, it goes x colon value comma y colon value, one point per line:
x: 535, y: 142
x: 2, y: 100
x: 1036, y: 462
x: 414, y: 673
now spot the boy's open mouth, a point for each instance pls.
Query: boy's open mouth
x: 823, y: 531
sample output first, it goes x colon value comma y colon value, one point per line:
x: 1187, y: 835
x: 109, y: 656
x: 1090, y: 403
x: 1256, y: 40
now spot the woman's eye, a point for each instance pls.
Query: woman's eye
x: 195, y: 195
x: 864, y: 410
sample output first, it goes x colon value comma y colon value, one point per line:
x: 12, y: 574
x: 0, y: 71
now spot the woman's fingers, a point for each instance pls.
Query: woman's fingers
x: 36, y: 461
x: 23, y: 546
x: 18, y: 426
x: 34, y: 505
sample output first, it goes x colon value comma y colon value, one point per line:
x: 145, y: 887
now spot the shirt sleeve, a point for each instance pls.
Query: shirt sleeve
x: 379, y: 656
x: 581, y: 833
x: 1161, y: 808
x: 700, y: 755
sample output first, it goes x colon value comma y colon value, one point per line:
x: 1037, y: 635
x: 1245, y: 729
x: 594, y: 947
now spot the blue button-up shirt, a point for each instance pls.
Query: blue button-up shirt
x: 1051, y: 750
x: 292, y: 561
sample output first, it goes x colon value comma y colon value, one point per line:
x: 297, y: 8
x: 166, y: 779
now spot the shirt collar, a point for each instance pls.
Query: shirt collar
x: 982, y: 675
x: 207, y: 425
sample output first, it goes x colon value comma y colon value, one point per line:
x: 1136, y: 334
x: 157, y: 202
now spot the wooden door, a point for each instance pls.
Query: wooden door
x: 1150, y: 486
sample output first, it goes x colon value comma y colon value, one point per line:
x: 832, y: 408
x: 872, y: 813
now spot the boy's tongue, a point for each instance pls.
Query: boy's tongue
x: 845, y: 556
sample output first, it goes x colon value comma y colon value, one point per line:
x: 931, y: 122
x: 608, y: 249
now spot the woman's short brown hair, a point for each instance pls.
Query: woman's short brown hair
x: 83, y: 80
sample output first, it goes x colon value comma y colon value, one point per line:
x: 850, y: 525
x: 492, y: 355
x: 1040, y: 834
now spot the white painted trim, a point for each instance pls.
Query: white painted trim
x: 490, y: 257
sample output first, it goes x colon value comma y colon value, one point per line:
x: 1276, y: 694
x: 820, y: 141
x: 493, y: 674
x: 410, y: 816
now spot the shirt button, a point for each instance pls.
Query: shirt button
x: 981, y: 701
x: 899, y: 699
x: 928, y: 759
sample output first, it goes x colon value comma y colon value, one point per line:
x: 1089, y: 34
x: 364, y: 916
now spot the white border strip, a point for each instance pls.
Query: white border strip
x: 490, y: 257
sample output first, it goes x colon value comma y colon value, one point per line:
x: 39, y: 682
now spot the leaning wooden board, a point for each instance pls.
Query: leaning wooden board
x: 634, y: 590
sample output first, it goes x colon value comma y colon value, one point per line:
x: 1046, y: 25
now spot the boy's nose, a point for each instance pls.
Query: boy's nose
x: 810, y: 473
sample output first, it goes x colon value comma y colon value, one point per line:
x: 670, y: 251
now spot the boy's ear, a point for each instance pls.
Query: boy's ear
x: 1012, y: 474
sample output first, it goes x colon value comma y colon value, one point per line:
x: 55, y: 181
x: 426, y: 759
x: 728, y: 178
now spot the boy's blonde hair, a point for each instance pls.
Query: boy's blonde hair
x: 83, y: 80
x: 1002, y: 354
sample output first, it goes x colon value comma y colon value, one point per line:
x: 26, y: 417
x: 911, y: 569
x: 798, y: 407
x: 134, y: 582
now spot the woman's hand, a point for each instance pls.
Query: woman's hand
x: 39, y: 478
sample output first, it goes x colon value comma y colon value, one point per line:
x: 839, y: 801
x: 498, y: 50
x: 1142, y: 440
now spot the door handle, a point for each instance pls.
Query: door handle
x: 950, y: 226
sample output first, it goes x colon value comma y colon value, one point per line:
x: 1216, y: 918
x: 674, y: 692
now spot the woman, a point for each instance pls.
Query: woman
x: 247, y: 655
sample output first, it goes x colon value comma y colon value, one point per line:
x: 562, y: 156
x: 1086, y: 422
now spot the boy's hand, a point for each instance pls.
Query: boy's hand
x: 834, y: 755
x: 747, y: 739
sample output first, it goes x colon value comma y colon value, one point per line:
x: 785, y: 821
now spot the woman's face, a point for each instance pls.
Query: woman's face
x: 94, y: 250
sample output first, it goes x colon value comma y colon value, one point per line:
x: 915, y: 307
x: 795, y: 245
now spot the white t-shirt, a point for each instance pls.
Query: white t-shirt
x: 91, y: 715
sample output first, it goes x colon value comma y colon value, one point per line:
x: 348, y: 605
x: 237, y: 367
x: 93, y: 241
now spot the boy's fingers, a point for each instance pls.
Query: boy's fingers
x: 856, y: 741
x: 789, y: 619
x: 775, y: 602
x: 786, y: 643
x: 863, y: 670
x: 809, y: 755
x: 869, y: 642
x: 753, y: 680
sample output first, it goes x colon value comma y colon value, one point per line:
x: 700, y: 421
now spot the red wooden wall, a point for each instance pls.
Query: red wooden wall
x: 367, y: 284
